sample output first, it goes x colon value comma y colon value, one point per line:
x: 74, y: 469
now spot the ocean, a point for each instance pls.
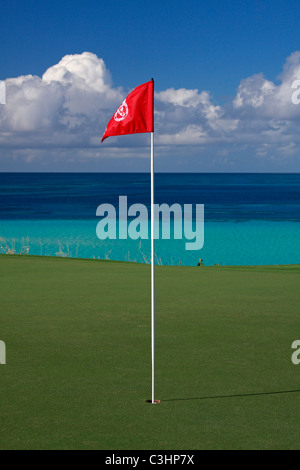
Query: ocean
x: 250, y: 219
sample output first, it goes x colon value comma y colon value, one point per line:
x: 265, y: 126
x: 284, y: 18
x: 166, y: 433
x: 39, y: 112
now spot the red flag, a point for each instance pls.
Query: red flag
x: 135, y: 115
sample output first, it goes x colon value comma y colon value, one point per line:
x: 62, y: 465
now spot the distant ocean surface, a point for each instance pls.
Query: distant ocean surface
x: 250, y: 219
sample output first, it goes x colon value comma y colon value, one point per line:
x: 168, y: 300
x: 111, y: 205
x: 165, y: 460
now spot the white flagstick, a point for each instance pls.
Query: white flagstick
x: 152, y: 267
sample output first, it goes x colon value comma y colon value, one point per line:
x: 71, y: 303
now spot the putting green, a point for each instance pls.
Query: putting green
x: 78, y: 372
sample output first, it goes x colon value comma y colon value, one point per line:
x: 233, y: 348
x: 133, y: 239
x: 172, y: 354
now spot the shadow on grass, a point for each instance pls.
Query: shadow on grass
x: 240, y: 395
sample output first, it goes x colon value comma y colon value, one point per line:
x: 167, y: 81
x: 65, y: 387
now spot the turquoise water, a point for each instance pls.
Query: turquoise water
x: 250, y: 219
x: 226, y: 243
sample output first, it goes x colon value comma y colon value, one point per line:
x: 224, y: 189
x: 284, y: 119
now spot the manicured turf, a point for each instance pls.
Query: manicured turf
x: 78, y: 371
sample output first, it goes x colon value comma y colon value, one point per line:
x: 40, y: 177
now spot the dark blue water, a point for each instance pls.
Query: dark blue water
x: 249, y: 218
x: 76, y: 196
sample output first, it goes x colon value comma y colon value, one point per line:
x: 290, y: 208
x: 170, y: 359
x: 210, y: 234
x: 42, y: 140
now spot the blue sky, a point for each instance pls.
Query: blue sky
x: 213, y: 47
x: 197, y: 44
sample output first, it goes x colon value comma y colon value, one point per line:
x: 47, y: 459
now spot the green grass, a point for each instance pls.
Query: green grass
x: 78, y: 371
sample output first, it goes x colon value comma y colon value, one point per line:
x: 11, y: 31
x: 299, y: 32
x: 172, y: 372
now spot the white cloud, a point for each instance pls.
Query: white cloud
x: 190, y: 135
x: 32, y: 104
x: 70, y: 105
x: 253, y: 92
x: 85, y: 70
x: 67, y: 106
x: 259, y: 98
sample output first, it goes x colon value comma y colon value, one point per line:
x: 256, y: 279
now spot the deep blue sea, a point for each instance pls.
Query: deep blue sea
x: 250, y: 219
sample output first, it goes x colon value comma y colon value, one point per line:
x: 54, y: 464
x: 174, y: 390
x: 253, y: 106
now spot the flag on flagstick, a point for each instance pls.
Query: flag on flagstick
x: 134, y: 116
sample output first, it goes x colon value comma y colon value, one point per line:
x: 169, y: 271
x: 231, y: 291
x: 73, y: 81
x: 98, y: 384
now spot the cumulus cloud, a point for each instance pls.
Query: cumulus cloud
x: 69, y: 106
x: 260, y: 98
x: 86, y: 70
x: 65, y: 107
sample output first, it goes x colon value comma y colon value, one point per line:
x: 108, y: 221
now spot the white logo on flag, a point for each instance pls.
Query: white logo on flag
x: 122, y: 112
